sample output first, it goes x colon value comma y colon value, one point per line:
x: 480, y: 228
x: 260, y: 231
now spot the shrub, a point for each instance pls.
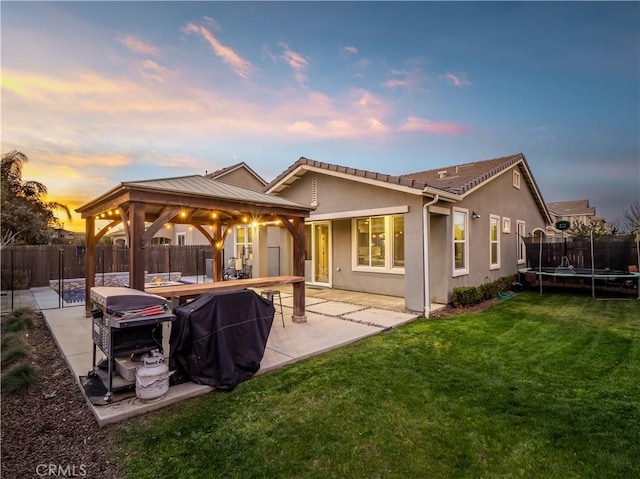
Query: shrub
x: 18, y: 320
x: 20, y: 280
x: 11, y: 338
x: 470, y: 295
x: 18, y: 377
x: 17, y: 351
x: 465, y: 296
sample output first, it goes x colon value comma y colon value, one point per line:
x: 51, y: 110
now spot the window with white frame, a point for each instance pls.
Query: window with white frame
x: 521, y: 250
x: 379, y: 243
x: 244, y: 242
x: 181, y: 239
x: 494, y: 242
x: 460, y: 241
x: 516, y: 179
x: 506, y: 225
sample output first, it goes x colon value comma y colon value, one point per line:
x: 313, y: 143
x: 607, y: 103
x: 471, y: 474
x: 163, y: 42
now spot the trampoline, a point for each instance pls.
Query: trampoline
x: 611, y: 250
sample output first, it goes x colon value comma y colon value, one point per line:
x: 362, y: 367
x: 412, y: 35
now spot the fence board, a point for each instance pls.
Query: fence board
x: 43, y: 263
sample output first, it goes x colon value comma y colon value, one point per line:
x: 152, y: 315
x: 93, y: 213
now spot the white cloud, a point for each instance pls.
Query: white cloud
x: 241, y: 67
x: 296, y: 61
x: 458, y: 80
x: 134, y: 44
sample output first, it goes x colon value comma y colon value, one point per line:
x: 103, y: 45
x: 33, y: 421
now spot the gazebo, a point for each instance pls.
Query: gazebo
x: 211, y: 206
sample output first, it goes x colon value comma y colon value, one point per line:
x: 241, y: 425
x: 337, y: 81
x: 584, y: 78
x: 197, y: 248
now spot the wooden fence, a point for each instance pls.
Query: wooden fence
x: 32, y: 266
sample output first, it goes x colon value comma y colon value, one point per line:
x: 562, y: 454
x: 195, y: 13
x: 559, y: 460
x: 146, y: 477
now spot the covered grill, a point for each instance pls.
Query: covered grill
x: 219, y: 339
x: 126, y: 322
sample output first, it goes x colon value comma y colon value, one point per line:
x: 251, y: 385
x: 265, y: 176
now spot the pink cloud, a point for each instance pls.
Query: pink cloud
x: 138, y: 46
x: 297, y: 62
x: 408, y: 79
x: 350, y: 50
x: 239, y: 65
x: 424, y: 125
x: 457, y: 80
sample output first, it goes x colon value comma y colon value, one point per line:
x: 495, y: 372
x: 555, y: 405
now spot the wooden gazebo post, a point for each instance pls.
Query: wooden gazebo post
x: 90, y: 262
x: 136, y: 246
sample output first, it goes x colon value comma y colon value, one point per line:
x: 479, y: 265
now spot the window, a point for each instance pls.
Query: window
x: 516, y: 179
x: 521, y: 250
x: 506, y: 225
x: 460, y: 242
x: 379, y: 243
x: 244, y: 242
x: 494, y: 242
x: 181, y: 239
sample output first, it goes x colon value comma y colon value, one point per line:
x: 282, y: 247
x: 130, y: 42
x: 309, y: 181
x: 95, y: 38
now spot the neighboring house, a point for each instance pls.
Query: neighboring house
x: 417, y: 235
x: 576, y: 212
x: 239, y: 174
x: 62, y: 236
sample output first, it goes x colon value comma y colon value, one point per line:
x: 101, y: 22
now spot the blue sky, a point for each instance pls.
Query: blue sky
x: 98, y: 93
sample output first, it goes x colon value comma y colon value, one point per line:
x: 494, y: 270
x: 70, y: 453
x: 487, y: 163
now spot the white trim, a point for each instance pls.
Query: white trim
x: 388, y: 248
x: 465, y: 270
x: 506, y: 224
x: 495, y: 265
x: 313, y: 282
x: 439, y: 210
x: 520, y: 242
x: 283, y: 183
x: 516, y: 178
x: 182, y: 235
x: 389, y: 210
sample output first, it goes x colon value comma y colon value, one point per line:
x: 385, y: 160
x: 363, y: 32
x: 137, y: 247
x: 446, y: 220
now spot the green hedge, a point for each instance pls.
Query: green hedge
x: 470, y: 295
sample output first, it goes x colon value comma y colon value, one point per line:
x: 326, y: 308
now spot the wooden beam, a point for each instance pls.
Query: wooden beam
x: 167, y: 214
x: 299, y: 314
x: 90, y: 263
x: 136, y: 251
x: 124, y: 216
x: 104, y: 230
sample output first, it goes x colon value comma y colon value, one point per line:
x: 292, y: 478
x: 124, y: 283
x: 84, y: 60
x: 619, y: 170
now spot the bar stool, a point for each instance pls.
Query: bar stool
x: 270, y: 295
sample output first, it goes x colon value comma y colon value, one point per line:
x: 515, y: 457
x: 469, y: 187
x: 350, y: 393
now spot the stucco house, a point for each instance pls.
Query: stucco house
x: 417, y: 235
x: 576, y: 212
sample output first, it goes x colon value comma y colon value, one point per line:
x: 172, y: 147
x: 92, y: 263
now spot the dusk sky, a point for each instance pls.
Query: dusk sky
x: 99, y: 93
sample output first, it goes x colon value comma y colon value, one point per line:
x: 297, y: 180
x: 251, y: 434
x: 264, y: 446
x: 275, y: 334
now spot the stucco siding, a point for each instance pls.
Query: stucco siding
x: 500, y: 198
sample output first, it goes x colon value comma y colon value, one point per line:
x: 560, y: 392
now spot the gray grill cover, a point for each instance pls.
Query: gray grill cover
x: 219, y: 339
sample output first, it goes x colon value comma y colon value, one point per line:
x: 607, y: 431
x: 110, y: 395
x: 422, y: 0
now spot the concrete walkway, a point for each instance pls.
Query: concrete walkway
x: 330, y: 324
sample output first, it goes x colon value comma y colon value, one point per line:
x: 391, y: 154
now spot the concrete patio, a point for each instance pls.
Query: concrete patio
x: 334, y: 318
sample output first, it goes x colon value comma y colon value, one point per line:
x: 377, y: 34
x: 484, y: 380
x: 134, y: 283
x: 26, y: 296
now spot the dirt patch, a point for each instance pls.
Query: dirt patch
x: 49, y: 431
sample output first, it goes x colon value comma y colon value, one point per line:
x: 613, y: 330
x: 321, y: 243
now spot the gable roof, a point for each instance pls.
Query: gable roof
x: 216, y: 175
x: 195, y: 191
x: 460, y: 179
x: 571, y: 208
x: 451, y: 183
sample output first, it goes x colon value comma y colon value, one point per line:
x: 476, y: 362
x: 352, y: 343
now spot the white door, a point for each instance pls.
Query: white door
x: 318, y: 253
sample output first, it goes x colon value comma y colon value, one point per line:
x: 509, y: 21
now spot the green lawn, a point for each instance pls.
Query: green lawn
x: 538, y: 386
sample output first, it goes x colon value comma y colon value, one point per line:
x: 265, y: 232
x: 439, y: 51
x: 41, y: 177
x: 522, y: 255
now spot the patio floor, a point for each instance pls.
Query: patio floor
x: 334, y: 318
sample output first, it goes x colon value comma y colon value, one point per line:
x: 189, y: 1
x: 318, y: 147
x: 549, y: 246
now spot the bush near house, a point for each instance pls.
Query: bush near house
x: 470, y: 295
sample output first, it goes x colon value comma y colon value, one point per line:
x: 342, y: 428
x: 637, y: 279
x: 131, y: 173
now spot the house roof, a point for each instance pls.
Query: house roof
x: 199, y: 193
x: 216, y: 175
x: 452, y: 183
x: 571, y: 208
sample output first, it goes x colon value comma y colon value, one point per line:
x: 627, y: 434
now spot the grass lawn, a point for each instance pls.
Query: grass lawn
x: 537, y: 386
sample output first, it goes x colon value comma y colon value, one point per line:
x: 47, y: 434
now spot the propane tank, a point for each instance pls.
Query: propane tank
x: 152, y: 379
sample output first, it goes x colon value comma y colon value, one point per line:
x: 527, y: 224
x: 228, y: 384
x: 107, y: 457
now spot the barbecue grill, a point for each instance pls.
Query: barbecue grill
x: 127, y: 324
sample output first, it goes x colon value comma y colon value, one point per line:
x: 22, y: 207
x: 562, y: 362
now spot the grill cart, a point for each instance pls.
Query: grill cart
x: 127, y: 324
